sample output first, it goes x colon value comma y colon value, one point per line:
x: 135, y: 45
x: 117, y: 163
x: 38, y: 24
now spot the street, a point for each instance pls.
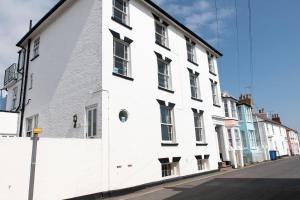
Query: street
x: 265, y: 181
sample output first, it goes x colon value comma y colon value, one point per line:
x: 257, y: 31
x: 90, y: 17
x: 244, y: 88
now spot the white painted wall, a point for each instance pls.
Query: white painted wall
x: 65, y: 168
x: 8, y: 124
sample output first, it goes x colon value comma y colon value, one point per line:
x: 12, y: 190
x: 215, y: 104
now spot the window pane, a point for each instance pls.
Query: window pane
x: 165, y: 132
x: 119, y: 49
x: 120, y: 4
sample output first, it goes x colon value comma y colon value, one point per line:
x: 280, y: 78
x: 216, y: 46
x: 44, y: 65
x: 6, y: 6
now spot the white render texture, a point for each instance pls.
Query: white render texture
x: 8, y: 124
x: 74, y: 71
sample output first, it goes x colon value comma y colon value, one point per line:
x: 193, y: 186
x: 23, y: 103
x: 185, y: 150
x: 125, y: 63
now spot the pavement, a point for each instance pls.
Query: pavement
x: 272, y: 180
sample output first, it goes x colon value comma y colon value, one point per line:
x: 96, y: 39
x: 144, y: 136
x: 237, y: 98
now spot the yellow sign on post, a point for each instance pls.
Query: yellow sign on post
x: 37, y: 130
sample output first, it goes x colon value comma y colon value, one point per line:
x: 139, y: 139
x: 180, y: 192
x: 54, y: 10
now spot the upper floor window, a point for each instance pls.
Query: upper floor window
x: 14, y: 98
x: 226, y: 108
x: 194, y: 83
x: 214, y: 89
x: 91, y: 119
x: 199, y: 126
x: 121, y: 57
x: 211, y: 64
x: 233, y: 109
x: 240, y: 113
x: 161, y: 34
x: 36, y: 47
x: 191, y: 51
x: 167, y: 123
x: 31, y: 81
x: 237, y: 138
x: 164, y: 74
x: 230, y: 140
x: 244, y: 139
x: 121, y: 51
x: 120, y: 11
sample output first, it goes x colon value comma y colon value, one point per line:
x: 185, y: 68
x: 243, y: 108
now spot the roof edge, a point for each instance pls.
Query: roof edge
x: 44, y: 18
x: 151, y: 3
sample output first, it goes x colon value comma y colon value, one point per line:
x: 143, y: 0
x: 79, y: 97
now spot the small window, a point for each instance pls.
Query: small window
x: 31, y: 82
x: 161, y: 34
x: 226, y: 108
x: 199, y: 127
x: 164, y: 74
x: 36, y: 46
x: 123, y: 116
x: 121, y: 58
x: 194, y: 83
x: 120, y: 11
x: 91, y: 122
x: 202, y: 164
x: 214, y: 88
x: 191, y: 51
x: 237, y: 138
x: 31, y: 122
x: 167, y: 124
x: 169, y: 169
x: 14, y: 98
x: 233, y: 109
x: 211, y: 64
x: 230, y: 137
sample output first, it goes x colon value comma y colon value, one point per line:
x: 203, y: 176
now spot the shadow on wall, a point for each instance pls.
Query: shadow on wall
x: 241, y: 189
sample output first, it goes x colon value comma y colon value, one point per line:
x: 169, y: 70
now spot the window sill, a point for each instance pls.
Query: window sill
x: 165, y: 144
x: 217, y: 105
x: 35, y: 57
x: 192, y: 62
x: 121, y: 23
x: 122, y: 76
x: 212, y: 73
x: 166, y: 90
x: 163, y: 46
x: 196, y: 99
x: 201, y: 144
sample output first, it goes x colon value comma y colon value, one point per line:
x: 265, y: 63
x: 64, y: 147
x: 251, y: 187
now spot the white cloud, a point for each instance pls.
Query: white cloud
x: 14, y: 20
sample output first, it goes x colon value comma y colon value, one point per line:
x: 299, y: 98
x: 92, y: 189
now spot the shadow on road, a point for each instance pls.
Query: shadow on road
x: 241, y: 189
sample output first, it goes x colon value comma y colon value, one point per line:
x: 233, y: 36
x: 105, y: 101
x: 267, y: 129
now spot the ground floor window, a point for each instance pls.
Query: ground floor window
x: 31, y: 123
x: 169, y: 168
x: 202, y: 162
x: 91, y: 119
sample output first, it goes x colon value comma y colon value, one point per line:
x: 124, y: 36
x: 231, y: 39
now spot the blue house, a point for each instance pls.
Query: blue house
x: 252, y: 149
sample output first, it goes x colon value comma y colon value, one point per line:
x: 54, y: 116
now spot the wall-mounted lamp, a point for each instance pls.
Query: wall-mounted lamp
x: 75, y: 117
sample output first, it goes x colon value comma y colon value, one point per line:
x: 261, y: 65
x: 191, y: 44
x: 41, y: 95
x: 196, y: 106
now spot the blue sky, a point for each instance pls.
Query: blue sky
x: 276, y: 44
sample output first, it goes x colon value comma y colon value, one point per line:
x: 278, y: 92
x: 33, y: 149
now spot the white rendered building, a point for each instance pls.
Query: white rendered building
x: 128, y: 74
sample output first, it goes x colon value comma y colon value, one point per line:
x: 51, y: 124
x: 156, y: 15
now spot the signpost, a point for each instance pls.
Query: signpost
x: 35, y: 138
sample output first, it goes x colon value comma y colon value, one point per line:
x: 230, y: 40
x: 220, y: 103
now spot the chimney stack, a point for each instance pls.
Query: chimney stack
x: 262, y: 113
x: 247, y: 99
x: 276, y: 118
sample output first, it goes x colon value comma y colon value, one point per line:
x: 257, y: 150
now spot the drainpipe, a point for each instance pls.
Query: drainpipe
x: 25, y: 73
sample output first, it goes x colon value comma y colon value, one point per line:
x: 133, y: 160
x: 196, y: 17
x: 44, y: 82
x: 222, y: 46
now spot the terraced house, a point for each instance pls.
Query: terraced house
x: 125, y: 73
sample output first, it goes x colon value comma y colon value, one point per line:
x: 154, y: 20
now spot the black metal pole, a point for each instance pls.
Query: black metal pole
x: 35, y: 139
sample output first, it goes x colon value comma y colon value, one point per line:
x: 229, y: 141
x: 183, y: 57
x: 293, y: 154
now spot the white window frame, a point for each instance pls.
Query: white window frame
x: 36, y: 47
x: 240, y: 113
x: 237, y: 138
x: 191, y: 51
x: 170, y: 125
x: 31, y: 123
x: 167, y: 77
x: 199, y: 129
x: 195, y: 86
x: 211, y: 64
x: 125, y: 61
x: 230, y: 138
x: 91, y: 125
x: 244, y: 140
x: 226, y: 110
x: 14, y: 98
x: 124, y: 13
x: 169, y: 169
x: 233, y: 109
x: 163, y: 36
x: 215, y: 95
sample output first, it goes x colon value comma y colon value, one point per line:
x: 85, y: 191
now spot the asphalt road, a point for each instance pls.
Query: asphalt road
x: 279, y: 180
